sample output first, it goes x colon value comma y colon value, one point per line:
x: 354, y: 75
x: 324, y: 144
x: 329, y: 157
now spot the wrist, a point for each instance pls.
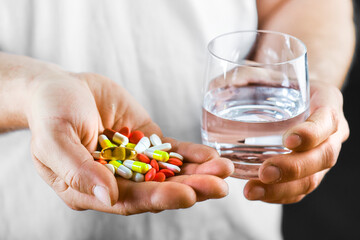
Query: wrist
x: 19, y: 77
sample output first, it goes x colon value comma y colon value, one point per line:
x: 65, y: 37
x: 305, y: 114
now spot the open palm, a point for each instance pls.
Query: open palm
x: 67, y: 114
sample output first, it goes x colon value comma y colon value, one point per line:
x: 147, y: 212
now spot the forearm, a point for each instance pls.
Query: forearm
x: 18, y: 75
x: 325, y: 26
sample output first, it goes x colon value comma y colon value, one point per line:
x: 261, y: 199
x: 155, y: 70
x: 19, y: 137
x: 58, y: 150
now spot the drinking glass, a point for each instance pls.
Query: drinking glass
x: 256, y: 87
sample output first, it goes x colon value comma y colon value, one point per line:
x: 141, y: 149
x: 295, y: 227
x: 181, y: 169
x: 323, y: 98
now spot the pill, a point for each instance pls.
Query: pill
x: 135, y: 136
x: 110, y: 167
x: 138, y: 177
x: 143, y: 158
x: 159, y: 177
x: 169, y: 166
x: 149, y: 176
x: 116, y: 137
x: 125, y: 131
x: 157, y: 154
x: 168, y: 173
x: 155, y: 140
x: 121, y: 170
x: 102, y: 161
x: 162, y: 147
x: 130, y: 145
x: 176, y: 155
x: 105, y: 142
x: 175, y: 161
x: 137, y: 166
x: 142, y: 145
x: 155, y: 164
x: 118, y: 153
x: 96, y: 155
x: 120, y: 161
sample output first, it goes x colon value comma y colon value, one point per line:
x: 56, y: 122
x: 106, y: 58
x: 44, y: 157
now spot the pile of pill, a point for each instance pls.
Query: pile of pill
x: 132, y: 155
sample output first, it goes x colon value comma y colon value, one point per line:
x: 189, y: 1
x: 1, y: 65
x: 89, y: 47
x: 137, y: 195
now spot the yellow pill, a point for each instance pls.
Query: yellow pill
x: 137, y: 166
x: 118, y: 153
x: 105, y: 142
x: 157, y: 154
x: 130, y: 145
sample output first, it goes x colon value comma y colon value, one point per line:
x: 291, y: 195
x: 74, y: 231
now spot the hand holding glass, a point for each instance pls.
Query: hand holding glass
x: 256, y: 87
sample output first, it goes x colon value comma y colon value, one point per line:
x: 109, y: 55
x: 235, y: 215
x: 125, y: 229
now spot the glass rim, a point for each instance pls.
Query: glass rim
x: 256, y: 32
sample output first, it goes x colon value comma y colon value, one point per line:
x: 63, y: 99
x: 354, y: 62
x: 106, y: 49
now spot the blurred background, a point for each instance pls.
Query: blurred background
x: 332, y: 211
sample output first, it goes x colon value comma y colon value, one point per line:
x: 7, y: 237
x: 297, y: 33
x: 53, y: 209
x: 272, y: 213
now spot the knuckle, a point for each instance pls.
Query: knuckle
x: 295, y: 171
x: 310, y: 184
x: 329, y: 156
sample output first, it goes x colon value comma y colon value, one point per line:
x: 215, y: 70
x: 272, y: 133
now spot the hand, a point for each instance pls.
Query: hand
x: 316, y: 144
x: 66, y: 114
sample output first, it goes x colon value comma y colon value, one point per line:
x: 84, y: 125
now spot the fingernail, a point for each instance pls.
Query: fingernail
x: 292, y: 141
x: 270, y: 174
x: 102, y: 194
x: 256, y: 193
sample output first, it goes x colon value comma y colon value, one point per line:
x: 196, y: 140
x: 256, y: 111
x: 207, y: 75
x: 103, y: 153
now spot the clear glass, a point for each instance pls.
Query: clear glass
x: 256, y: 87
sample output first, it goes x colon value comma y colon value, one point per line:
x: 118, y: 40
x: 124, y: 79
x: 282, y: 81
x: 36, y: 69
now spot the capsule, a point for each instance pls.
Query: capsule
x: 142, y: 145
x: 118, y: 153
x: 137, y: 166
x: 138, y: 177
x: 105, y: 142
x: 157, y: 154
x: 116, y: 137
x: 96, y: 155
x: 110, y: 167
x: 155, y: 140
x: 121, y: 169
x: 130, y: 145
x: 125, y: 131
x: 162, y: 147
x: 169, y: 166
x: 176, y: 155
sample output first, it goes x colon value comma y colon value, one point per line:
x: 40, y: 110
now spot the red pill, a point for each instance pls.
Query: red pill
x: 154, y: 164
x: 136, y: 136
x: 175, y: 161
x: 143, y: 158
x: 150, y: 175
x: 159, y: 177
x: 168, y: 173
x: 102, y: 161
x: 125, y: 131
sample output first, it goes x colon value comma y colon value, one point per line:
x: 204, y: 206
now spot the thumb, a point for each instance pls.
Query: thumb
x: 64, y: 154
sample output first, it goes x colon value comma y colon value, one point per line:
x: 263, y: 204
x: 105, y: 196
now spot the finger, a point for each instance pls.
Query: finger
x: 220, y: 167
x: 62, y: 151
x: 322, y: 123
x: 205, y: 186
x: 297, y: 165
x: 195, y: 153
x: 56, y: 183
x: 283, y: 192
x: 152, y: 196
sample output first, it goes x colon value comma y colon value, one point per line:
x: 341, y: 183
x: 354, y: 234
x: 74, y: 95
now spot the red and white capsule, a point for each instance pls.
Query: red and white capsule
x: 169, y: 166
x: 116, y: 137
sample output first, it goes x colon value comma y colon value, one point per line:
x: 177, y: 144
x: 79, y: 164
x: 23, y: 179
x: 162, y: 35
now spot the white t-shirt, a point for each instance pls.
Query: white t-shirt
x: 155, y: 49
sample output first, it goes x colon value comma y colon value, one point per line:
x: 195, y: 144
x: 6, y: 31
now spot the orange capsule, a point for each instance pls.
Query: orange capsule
x: 159, y: 177
x: 168, y: 173
x: 143, y: 158
x: 154, y: 164
x: 175, y: 161
x: 150, y: 175
x: 135, y: 136
x: 125, y: 131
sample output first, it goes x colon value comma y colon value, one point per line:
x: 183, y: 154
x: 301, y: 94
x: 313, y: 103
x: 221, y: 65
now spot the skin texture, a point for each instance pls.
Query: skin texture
x: 316, y: 143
